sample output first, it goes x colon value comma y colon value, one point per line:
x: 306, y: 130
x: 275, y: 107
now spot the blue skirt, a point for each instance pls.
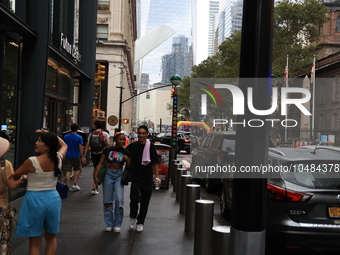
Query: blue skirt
x: 39, y: 210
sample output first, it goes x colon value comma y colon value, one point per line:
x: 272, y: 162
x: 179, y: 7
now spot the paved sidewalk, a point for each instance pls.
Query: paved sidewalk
x: 82, y: 228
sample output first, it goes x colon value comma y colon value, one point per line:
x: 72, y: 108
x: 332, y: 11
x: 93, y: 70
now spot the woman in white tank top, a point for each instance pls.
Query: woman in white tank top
x: 41, y: 208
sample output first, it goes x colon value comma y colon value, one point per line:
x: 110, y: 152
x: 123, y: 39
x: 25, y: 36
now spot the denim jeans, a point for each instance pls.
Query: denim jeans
x: 113, y: 193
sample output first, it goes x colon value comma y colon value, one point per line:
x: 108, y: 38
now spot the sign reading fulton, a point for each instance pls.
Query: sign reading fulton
x: 71, y: 49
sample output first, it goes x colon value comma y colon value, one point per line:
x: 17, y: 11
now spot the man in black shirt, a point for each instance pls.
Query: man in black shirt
x: 142, y: 177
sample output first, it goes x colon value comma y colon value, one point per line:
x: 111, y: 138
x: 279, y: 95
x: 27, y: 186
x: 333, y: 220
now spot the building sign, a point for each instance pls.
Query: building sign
x: 70, y: 49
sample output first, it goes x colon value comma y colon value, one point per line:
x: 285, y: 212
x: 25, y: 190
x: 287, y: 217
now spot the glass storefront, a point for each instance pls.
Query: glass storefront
x: 9, y: 94
x: 62, y: 99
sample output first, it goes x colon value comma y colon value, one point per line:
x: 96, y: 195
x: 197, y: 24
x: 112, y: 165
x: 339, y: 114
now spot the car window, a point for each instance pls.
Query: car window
x: 206, y: 142
x: 228, y: 143
x: 306, y: 174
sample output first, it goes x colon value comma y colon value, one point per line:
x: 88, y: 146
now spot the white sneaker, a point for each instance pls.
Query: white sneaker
x: 116, y: 229
x: 132, y: 223
x: 75, y: 186
x: 139, y: 228
x: 108, y: 229
x: 94, y: 192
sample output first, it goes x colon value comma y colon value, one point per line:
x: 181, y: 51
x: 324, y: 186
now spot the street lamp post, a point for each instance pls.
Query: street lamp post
x: 175, y: 81
x: 120, y: 99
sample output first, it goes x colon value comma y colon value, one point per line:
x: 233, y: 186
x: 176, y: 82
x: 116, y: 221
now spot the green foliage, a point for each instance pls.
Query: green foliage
x: 295, y: 33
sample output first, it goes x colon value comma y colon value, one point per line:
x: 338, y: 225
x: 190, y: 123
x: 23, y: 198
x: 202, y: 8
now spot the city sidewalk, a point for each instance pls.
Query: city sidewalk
x: 82, y: 228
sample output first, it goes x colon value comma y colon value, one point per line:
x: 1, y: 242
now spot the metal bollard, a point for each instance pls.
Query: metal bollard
x: 174, y: 175
x: 179, y: 173
x: 203, y: 227
x: 220, y: 244
x: 192, y: 194
x: 171, y: 169
x: 185, y: 179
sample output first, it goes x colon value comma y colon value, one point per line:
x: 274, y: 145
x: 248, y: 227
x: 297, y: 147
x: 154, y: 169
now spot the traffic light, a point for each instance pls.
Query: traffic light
x: 100, y: 72
x: 125, y: 121
x: 172, y: 92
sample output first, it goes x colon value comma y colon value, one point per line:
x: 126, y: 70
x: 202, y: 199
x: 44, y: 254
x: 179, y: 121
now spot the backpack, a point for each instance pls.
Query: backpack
x: 97, y: 142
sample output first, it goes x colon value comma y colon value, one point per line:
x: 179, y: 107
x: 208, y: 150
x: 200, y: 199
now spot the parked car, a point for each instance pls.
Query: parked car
x: 157, y: 138
x: 183, y: 141
x: 217, y: 147
x: 303, y: 203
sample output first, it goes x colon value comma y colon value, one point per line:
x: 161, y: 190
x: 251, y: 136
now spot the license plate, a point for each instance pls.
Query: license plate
x: 334, y: 211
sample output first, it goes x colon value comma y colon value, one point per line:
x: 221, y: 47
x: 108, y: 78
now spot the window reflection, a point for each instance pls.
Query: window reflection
x: 9, y: 95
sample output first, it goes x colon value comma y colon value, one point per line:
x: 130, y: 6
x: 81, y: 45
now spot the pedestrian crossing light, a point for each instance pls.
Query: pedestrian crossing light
x: 100, y: 72
x: 125, y: 121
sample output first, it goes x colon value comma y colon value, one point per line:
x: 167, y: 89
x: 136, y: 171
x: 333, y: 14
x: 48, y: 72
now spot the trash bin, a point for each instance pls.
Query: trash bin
x: 163, y: 152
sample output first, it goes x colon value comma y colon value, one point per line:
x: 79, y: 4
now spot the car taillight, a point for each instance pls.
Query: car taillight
x: 187, y: 140
x: 281, y: 194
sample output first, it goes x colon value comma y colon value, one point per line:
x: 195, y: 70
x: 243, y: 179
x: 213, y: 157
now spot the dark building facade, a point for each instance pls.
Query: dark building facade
x: 47, y: 69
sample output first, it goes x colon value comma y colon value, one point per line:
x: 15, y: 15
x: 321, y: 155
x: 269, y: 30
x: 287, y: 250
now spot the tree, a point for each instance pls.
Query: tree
x: 296, y: 34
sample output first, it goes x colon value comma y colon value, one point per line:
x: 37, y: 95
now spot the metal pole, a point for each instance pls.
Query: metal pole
x: 185, y: 179
x: 203, y: 227
x: 173, y: 143
x: 179, y: 173
x: 249, y: 194
x: 173, y: 170
x: 192, y: 194
x: 120, y: 101
x: 160, y: 125
x: 221, y: 236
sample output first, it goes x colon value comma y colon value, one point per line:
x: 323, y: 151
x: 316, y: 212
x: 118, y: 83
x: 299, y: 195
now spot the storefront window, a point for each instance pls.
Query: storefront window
x: 9, y: 96
x: 51, y: 83
x: 65, y: 86
x: 10, y: 4
x: 103, y: 5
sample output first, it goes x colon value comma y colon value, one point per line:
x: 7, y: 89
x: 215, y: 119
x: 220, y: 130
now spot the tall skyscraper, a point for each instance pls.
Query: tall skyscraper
x: 229, y: 18
x: 213, y: 14
x: 179, y: 15
x: 179, y: 61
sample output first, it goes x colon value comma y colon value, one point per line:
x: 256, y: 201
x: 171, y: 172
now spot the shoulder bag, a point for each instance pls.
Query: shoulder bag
x: 12, y: 213
x: 62, y: 189
x: 102, y: 172
x: 126, y: 176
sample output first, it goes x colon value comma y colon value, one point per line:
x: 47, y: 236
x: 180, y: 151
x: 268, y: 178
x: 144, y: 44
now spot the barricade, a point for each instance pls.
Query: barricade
x: 203, y: 227
x: 192, y: 194
x: 179, y: 173
x: 220, y: 244
x: 185, y: 179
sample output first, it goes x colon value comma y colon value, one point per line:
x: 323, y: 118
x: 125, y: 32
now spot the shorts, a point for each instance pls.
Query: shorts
x: 71, y: 163
x: 39, y: 210
x: 95, y: 159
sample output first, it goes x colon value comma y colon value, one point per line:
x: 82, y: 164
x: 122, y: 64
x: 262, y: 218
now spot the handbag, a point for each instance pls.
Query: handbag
x: 126, y: 176
x: 62, y: 189
x: 102, y: 172
x: 11, y: 211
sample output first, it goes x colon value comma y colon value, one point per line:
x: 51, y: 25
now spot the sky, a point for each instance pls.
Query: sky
x: 202, y: 30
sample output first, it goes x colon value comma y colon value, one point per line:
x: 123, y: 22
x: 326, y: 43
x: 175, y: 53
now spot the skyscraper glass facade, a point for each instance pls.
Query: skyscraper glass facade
x: 230, y: 18
x: 213, y: 12
x: 179, y: 15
